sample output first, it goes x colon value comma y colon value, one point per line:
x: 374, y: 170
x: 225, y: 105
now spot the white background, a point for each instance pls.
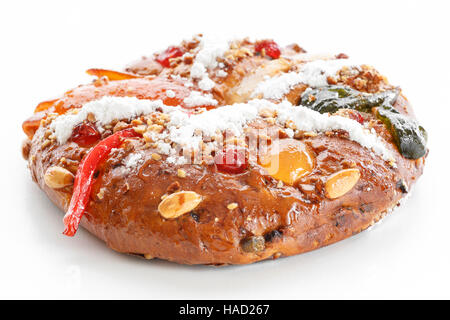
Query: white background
x: 47, y: 45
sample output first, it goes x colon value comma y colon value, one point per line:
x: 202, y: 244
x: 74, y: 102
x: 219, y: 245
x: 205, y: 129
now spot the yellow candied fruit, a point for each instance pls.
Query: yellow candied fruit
x: 287, y: 160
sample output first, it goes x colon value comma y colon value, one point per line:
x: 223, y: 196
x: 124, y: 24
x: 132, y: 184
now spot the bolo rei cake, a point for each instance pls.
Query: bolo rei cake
x: 226, y: 152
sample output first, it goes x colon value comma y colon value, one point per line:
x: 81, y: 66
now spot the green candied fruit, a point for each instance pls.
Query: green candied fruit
x: 332, y: 98
x: 409, y: 137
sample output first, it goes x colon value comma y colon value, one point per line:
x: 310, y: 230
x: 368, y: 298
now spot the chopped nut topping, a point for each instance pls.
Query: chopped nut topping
x: 136, y: 122
x: 91, y: 117
x: 234, y: 141
x: 188, y: 59
x: 266, y: 113
x: 392, y: 163
x: 155, y: 127
x: 148, y: 256
x: 156, y: 157
x: 270, y: 120
x: 45, y: 144
x: 290, y: 124
x: 148, y: 137
x: 101, y: 193
x: 181, y: 173
x: 140, y: 129
x: 310, y: 134
x: 120, y: 126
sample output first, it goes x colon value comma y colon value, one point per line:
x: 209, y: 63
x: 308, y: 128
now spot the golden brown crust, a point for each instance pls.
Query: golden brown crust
x: 242, y: 218
x: 292, y: 219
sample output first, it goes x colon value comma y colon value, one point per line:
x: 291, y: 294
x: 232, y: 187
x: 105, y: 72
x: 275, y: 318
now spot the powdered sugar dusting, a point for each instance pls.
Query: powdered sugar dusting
x: 187, y: 131
x: 133, y: 160
x: 196, y: 99
x: 235, y: 118
x: 105, y: 111
x: 313, y: 74
x: 206, y: 59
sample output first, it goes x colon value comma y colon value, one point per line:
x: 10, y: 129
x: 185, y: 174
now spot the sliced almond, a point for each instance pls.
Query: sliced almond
x: 179, y: 203
x: 58, y: 177
x: 341, y: 182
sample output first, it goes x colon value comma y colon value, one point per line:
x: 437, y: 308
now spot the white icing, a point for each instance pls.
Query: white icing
x: 314, y: 74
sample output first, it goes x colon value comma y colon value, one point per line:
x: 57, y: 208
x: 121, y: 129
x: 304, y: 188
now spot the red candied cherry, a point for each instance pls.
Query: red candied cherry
x: 231, y: 160
x: 270, y: 47
x: 169, y: 53
x: 85, y: 134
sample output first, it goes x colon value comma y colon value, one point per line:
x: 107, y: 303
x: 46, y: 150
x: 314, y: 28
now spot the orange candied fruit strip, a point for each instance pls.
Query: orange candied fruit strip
x: 110, y: 74
x: 31, y: 125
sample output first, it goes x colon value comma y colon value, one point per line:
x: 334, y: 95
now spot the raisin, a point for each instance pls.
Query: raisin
x: 195, y: 216
x: 270, y: 236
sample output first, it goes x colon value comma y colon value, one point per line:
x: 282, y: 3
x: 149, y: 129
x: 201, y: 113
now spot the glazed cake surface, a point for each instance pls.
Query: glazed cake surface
x: 227, y: 152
